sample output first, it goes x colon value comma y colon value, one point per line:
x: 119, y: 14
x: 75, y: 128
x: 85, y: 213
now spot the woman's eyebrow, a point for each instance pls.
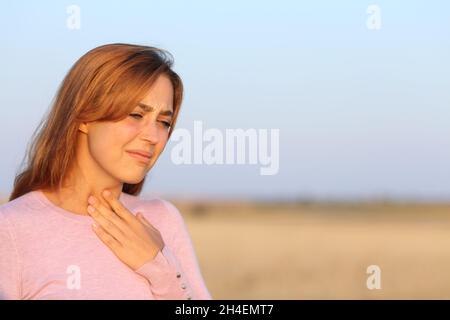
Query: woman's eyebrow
x: 148, y: 108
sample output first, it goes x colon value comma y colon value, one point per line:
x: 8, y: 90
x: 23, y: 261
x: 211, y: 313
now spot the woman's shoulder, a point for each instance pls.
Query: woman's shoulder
x: 155, y: 208
x: 19, y: 206
x: 16, y: 212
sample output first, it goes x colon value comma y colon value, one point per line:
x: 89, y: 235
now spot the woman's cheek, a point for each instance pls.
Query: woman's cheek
x: 129, y: 125
x: 126, y: 131
x: 164, y: 135
x: 114, y: 141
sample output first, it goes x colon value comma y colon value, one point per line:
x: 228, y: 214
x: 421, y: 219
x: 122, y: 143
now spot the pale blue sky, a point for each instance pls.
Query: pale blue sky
x: 361, y: 113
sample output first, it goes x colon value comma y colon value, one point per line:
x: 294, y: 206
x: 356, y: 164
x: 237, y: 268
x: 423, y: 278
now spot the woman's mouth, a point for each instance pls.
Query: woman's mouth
x: 139, y: 157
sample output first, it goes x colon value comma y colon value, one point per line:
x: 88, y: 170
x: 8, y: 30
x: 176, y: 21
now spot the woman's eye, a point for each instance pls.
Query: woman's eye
x: 166, y: 124
x: 136, y: 115
x: 139, y: 116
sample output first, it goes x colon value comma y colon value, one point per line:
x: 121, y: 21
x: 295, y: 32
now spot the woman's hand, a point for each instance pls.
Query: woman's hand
x: 132, y: 238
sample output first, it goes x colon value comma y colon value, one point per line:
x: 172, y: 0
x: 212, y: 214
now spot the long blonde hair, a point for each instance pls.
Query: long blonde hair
x: 105, y: 84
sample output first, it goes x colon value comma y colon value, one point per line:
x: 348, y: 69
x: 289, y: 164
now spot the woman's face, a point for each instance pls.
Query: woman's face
x: 145, y: 130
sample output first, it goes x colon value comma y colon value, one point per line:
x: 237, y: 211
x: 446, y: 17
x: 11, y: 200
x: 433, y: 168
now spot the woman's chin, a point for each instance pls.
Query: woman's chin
x: 133, y: 179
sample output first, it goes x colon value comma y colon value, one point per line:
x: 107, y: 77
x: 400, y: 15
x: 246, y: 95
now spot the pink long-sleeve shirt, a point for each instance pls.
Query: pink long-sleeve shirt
x: 47, y: 252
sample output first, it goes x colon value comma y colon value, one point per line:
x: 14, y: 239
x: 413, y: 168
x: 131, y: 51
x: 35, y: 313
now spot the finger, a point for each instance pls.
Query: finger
x: 118, y: 207
x: 99, y: 217
x: 109, y: 214
x: 156, y: 235
x: 144, y: 220
x: 106, y: 238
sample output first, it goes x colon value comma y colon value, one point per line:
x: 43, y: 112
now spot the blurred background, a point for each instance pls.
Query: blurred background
x: 359, y: 92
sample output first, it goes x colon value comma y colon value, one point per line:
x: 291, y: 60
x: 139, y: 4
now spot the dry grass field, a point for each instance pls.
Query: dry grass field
x: 321, y: 251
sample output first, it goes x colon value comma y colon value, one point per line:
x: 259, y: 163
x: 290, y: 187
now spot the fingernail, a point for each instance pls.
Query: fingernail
x: 91, y: 200
x: 107, y: 193
x: 90, y: 209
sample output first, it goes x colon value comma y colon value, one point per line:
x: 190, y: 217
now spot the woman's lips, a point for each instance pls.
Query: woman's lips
x: 139, y: 157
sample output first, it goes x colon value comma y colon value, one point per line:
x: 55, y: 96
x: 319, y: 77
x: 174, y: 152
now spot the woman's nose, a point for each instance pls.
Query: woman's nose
x: 151, y: 133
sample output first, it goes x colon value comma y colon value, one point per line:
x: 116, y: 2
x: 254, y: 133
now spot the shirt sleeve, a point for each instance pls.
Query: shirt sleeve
x: 174, y: 274
x: 9, y: 263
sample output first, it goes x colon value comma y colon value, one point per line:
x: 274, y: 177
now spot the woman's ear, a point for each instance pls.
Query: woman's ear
x: 83, y: 128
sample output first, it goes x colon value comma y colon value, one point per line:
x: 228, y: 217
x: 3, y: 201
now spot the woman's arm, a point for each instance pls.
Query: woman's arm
x: 175, y: 273
x: 9, y: 262
x: 171, y: 268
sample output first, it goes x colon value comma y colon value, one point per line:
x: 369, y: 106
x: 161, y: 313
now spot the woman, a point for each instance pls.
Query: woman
x: 74, y: 227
